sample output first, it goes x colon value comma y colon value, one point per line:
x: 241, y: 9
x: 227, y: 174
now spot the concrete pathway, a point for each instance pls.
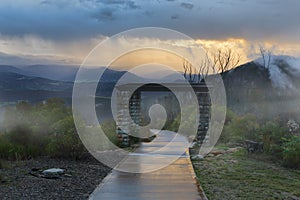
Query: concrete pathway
x: 175, y: 181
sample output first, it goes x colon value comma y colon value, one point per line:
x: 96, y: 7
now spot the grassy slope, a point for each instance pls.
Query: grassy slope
x: 240, y: 176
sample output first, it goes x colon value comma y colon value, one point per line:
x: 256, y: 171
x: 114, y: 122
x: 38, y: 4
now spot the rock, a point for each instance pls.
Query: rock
x: 197, y: 157
x: 53, y: 173
x: 67, y: 175
x: 193, y: 145
x: 215, y: 153
x: 232, y: 150
x: 253, y: 146
x: 53, y: 170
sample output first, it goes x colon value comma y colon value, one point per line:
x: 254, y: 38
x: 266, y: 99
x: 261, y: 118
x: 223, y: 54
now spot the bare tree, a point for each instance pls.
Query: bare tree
x: 185, y: 68
x: 203, y: 69
x: 196, y: 75
x: 199, y: 74
x: 225, y: 59
x: 188, y: 71
x: 266, y: 56
x: 193, y: 74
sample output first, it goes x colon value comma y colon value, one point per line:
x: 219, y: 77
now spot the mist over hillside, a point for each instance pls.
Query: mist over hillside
x: 266, y: 91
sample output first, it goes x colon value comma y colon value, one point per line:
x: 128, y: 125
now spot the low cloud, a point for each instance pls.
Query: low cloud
x: 188, y: 6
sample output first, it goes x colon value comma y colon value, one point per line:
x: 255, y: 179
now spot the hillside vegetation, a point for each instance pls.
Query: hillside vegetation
x: 44, y: 129
x: 239, y: 175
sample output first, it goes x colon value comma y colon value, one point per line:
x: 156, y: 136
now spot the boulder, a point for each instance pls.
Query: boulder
x: 53, y: 173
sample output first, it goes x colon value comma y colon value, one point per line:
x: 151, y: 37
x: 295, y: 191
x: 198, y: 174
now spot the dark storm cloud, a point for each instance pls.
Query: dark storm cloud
x: 109, y: 7
x: 106, y: 14
x: 188, y: 6
x: 126, y: 3
x: 175, y: 16
x: 208, y: 19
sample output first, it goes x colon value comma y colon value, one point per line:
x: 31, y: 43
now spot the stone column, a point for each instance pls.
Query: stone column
x: 204, y: 117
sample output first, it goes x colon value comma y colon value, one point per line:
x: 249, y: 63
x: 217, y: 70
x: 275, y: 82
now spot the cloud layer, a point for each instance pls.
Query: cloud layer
x: 63, y: 23
x: 68, y: 19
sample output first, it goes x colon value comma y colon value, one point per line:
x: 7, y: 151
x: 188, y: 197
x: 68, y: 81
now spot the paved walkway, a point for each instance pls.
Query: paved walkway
x: 176, y: 181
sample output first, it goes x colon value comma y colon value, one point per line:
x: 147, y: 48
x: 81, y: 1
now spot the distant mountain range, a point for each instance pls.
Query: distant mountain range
x: 53, y: 72
x: 65, y: 72
x: 38, y: 82
x: 250, y: 88
x: 16, y: 87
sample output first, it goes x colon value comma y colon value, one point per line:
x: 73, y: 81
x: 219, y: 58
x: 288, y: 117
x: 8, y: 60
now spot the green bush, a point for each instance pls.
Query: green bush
x: 34, y: 130
x: 21, y: 143
x: 291, y: 152
x: 109, y: 128
x: 238, y: 129
x: 65, y: 141
x: 186, y: 125
x: 278, y: 140
x: 4, y: 147
x: 272, y: 133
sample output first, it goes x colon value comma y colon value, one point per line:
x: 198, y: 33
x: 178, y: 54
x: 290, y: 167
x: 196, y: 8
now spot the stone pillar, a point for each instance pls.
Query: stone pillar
x: 135, y: 114
x: 128, y: 120
x: 123, y: 119
x: 204, y: 117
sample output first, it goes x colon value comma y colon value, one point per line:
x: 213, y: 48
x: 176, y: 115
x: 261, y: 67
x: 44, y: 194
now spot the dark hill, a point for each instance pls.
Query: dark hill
x: 251, y: 89
x: 16, y: 87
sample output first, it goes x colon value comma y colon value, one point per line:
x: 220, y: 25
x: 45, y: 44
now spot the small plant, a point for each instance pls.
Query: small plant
x: 291, y: 152
x: 293, y: 126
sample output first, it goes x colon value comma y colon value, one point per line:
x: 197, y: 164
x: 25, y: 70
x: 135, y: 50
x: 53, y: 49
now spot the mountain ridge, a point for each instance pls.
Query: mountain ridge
x: 250, y: 88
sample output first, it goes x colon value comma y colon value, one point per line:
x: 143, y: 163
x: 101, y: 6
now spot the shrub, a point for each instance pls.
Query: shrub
x: 21, y: 143
x: 186, y: 125
x: 272, y: 134
x: 4, y: 147
x: 291, y: 152
x: 109, y: 128
x: 20, y: 135
x: 65, y: 141
x: 239, y: 129
x: 34, y: 130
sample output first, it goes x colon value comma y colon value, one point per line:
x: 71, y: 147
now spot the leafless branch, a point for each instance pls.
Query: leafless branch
x: 225, y: 59
x: 266, y: 56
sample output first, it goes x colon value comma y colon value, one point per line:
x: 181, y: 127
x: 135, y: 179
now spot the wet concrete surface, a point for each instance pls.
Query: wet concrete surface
x: 169, y: 174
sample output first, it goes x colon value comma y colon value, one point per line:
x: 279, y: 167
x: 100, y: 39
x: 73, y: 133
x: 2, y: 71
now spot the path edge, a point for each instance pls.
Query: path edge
x: 196, y: 179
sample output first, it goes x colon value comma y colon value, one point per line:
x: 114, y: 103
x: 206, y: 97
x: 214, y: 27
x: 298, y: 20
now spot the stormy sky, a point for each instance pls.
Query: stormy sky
x: 66, y: 30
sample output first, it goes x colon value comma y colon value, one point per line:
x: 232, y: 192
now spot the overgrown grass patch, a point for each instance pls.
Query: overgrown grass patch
x: 242, y: 176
